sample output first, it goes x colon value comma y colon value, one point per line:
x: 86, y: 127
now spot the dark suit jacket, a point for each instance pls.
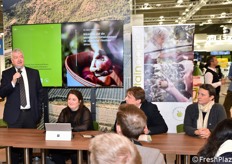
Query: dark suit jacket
x: 155, y: 121
x: 216, y: 115
x: 12, y: 106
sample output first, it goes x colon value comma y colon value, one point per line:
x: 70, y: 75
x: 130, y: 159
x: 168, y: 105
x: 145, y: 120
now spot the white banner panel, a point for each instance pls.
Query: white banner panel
x: 173, y: 114
x: 138, y: 55
x: 163, y: 66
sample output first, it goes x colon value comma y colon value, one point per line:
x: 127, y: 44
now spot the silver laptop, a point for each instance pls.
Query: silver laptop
x: 58, y: 127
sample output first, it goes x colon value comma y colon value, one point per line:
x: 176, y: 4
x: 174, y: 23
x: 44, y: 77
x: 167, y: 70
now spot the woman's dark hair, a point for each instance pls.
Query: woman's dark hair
x: 221, y: 133
x: 79, y: 114
x: 78, y: 94
x: 210, y: 89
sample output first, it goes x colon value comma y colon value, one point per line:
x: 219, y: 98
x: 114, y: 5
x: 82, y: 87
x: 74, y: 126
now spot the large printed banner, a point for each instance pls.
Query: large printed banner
x: 163, y: 66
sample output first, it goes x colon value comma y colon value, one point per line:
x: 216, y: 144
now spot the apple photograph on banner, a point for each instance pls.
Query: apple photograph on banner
x: 166, y: 62
x: 93, y: 53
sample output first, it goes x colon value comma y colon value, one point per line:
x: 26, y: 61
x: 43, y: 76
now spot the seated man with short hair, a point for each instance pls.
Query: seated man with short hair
x: 131, y: 122
x: 155, y: 122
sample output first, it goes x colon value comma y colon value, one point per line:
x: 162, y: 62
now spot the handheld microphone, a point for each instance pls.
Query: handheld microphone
x: 19, y: 71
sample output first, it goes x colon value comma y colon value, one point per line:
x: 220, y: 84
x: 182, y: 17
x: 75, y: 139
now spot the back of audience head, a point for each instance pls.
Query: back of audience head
x: 111, y: 148
x: 131, y: 121
x: 137, y: 92
x: 221, y: 133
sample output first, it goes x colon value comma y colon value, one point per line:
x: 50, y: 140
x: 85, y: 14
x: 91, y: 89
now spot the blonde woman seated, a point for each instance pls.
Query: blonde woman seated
x: 202, y: 117
x: 111, y: 148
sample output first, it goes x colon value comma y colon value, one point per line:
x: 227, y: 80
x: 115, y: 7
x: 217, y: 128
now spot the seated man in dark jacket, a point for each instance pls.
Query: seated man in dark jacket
x: 155, y: 121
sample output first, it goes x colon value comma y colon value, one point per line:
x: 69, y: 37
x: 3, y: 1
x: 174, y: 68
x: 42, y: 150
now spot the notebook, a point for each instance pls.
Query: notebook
x: 58, y: 131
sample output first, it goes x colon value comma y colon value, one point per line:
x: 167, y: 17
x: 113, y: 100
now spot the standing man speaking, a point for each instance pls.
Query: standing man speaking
x: 23, y: 91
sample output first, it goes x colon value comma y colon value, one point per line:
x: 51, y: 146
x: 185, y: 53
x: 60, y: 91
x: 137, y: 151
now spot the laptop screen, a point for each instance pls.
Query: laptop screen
x: 58, y: 127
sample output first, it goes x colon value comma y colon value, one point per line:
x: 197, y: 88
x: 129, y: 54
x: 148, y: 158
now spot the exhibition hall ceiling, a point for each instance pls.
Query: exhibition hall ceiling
x: 199, y: 12
x: 208, y: 15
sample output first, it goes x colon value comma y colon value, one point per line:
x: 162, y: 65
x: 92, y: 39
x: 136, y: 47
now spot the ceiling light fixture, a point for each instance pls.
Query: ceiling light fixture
x: 212, y: 16
x: 209, y: 21
x: 146, y: 5
x: 223, y: 15
x: 179, y: 2
x: 227, y: 2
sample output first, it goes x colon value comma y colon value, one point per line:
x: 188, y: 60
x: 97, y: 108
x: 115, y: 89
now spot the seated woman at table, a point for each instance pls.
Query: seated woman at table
x: 202, y: 117
x: 80, y: 118
x: 219, y: 143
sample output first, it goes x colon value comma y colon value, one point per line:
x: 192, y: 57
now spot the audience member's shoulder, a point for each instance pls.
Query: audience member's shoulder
x: 224, y: 158
x: 8, y: 69
x: 148, y: 149
x: 150, y: 155
x: 218, y: 106
x: 193, y: 105
x: 86, y: 108
x: 148, y: 103
x: 31, y: 69
x: 65, y: 109
x: 227, y: 155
